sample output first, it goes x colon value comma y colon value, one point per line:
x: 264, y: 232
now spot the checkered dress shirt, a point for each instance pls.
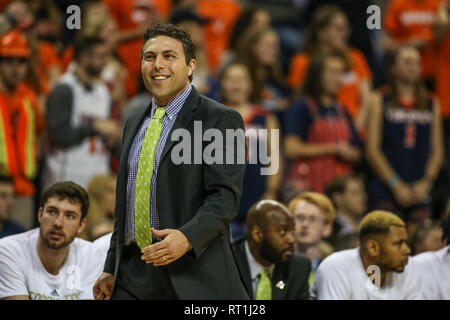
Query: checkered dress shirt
x: 172, y: 110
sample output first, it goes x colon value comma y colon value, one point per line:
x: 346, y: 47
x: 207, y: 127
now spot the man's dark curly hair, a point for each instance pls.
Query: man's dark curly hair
x: 178, y: 34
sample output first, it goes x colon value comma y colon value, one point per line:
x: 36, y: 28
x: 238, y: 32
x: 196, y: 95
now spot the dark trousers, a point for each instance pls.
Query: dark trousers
x: 137, y: 280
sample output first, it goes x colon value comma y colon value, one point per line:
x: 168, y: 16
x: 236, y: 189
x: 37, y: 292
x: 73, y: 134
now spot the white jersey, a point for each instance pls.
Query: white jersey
x: 102, y: 244
x: 433, y: 268
x: 22, y: 271
x: 80, y: 163
x: 341, y: 276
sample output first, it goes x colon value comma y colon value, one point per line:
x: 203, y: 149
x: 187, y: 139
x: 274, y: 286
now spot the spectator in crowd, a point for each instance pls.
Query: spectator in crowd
x: 259, y: 50
x: 194, y: 24
x: 320, y: 139
x: 21, y: 124
x: 314, y: 216
x: 405, y: 142
x: 411, y: 23
x: 222, y: 15
x: 42, y: 263
x: 442, y: 38
x: 427, y: 236
x: 102, y: 196
x: 236, y: 90
x: 377, y: 270
x: 133, y: 18
x: 253, y: 18
x: 44, y: 67
x: 81, y: 135
x: 350, y: 200
x: 7, y: 225
x: 269, y: 267
x: 434, y: 268
x: 328, y: 31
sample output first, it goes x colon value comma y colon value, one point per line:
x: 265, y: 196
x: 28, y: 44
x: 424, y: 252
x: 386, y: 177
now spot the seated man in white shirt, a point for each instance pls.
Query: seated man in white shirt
x: 434, y: 268
x: 377, y: 270
x: 49, y: 262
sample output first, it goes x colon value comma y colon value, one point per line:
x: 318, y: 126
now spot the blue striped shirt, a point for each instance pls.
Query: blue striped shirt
x: 172, y: 110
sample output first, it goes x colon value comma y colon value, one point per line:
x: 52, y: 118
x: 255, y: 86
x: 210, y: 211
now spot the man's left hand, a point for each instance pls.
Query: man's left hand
x: 173, y: 246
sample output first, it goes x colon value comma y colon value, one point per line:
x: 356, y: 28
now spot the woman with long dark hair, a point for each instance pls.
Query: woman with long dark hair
x: 320, y: 140
x: 405, y: 141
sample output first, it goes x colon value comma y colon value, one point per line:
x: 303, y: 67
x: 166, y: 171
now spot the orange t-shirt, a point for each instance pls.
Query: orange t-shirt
x: 349, y: 92
x: 128, y: 16
x: 413, y: 19
x: 13, y: 101
x: 443, y: 77
x: 223, y: 14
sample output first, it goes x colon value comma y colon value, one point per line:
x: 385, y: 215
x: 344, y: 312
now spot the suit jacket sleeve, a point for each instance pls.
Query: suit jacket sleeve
x: 223, y: 188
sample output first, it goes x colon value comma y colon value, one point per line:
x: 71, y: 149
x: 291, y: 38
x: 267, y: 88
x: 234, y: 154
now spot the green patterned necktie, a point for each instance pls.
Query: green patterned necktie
x: 144, y: 178
x: 264, y: 288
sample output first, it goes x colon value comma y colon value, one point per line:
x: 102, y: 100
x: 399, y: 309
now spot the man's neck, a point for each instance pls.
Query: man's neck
x: 164, y: 101
x: 83, y: 76
x: 367, y: 262
x: 354, y: 219
x: 309, y: 250
x: 52, y: 259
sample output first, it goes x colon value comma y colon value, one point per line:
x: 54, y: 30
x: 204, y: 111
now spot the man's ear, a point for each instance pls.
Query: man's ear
x: 327, y: 230
x: 373, y: 248
x: 39, y: 215
x: 257, y: 234
x: 191, y: 67
x: 81, y: 226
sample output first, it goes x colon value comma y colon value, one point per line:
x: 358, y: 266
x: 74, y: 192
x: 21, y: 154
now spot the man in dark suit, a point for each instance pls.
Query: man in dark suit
x: 171, y: 235
x: 268, y: 252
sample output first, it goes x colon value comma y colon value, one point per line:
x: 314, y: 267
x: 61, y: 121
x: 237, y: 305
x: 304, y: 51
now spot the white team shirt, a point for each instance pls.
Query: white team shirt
x: 434, y: 270
x: 22, y: 271
x: 341, y: 276
x: 80, y: 163
x: 102, y: 244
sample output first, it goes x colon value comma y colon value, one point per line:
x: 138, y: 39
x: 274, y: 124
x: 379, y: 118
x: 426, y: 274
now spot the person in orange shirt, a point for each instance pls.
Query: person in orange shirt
x: 411, y: 22
x: 443, y: 59
x: 222, y: 14
x: 20, y: 123
x: 133, y: 18
x: 329, y: 31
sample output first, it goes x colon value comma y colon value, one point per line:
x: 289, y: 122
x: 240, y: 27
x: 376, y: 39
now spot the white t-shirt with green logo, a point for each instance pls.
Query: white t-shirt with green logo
x: 22, y: 271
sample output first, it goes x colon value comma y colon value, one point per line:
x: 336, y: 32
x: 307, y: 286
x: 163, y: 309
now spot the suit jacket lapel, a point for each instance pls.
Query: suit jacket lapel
x: 183, y: 119
x: 242, y: 262
x: 279, y: 274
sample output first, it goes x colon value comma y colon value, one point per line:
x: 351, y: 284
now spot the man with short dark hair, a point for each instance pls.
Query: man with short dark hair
x: 81, y: 133
x: 266, y: 254
x: 7, y: 225
x: 377, y: 270
x: 434, y: 267
x: 171, y: 235
x: 49, y: 262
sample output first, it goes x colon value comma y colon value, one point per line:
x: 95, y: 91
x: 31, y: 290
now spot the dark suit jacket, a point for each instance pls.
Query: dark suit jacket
x: 294, y: 273
x: 198, y: 199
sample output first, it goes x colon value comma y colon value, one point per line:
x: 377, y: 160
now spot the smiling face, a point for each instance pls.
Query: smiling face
x: 60, y: 222
x: 164, y: 68
x: 236, y: 84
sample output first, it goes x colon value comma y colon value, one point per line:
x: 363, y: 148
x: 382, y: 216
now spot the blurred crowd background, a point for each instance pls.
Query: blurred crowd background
x: 363, y: 114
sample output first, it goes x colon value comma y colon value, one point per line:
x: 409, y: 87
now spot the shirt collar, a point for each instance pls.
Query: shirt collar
x: 255, y: 267
x: 174, y: 106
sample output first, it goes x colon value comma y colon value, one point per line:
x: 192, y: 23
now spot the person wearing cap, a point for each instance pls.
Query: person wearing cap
x: 21, y: 124
x: 194, y: 24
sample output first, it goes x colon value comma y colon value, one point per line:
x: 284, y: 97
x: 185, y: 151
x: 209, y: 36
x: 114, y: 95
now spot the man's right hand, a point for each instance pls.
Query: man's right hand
x: 103, y: 287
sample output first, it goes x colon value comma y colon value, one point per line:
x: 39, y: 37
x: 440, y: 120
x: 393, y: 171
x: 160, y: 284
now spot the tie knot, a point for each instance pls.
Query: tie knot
x: 159, y: 113
x: 264, y: 274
